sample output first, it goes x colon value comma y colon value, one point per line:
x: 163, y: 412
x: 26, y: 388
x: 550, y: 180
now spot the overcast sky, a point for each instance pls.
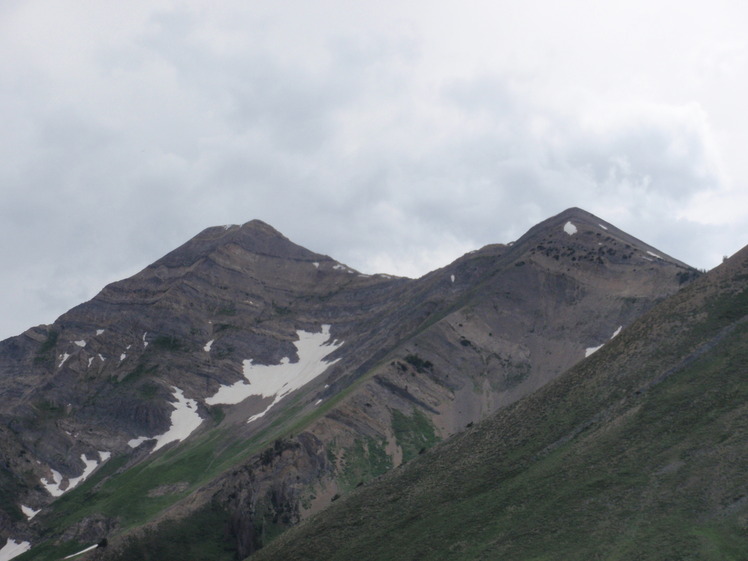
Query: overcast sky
x: 392, y: 136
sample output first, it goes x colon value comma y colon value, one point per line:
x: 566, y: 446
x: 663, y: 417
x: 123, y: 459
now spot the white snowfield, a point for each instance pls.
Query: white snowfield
x: 589, y: 350
x: 12, y: 549
x: 570, y: 229
x: 278, y: 380
x: 184, y: 420
x: 54, y: 487
x: 29, y: 512
x: 94, y: 546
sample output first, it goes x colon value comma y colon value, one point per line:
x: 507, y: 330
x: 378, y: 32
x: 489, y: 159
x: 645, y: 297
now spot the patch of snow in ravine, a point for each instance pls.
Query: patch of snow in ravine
x: 602, y: 226
x: 55, y: 486
x: 452, y: 278
x: 13, y: 549
x: 589, y: 350
x: 570, y: 229
x: 80, y: 343
x: 135, y: 442
x: 145, y: 343
x: 101, y: 357
x: 208, y: 345
x: 184, y: 420
x: 99, y: 331
x: 278, y: 380
x: 90, y: 360
x: 316, y: 265
x: 122, y: 357
x: 64, y: 357
x: 94, y: 546
x: 654, y: 254
x: 29, y: 512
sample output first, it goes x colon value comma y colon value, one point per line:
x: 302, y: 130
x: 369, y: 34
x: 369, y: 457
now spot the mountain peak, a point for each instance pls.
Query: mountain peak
x: 254, y: 236
x: 574, y: 224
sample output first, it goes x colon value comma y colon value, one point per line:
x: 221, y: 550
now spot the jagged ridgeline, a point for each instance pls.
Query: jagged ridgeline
x: 242, y: 383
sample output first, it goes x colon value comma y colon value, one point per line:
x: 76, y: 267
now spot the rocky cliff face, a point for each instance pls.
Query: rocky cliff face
x: 283, y: 378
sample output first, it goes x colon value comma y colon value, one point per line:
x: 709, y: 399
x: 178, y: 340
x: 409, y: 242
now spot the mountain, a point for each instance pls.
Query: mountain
x: 638, y: 452
x: 242, y: 382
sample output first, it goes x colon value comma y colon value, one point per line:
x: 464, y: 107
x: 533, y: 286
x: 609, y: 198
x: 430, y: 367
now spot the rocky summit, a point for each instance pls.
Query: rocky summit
x: 243, y: 382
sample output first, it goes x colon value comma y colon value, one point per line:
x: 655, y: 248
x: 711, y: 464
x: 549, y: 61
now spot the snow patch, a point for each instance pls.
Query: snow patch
x: 13, y: 549
x: 29, y: 512
x: 278, y: 380
x: 590, y: 350
x: 80, y: 343
x: 122, y: 357
x: 602, y: 226
x: 452, y: 278
x: 184, y: 420
x: 208, y: 345
x: 55, y: 486
x: 64, y: 357
x: 100, y: 331
x: 340, y: 267
x: 145, y: 343
x: 135, y: 442
x: 316, y: 265
x: 90, y: 360
x: 318, y: 402
x: 654, y: 254
x: 570, y: 229
x: 101, y: 357
x: 82, y: 551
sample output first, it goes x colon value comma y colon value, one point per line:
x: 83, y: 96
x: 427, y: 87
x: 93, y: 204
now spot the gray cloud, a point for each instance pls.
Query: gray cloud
x: 394, y: 144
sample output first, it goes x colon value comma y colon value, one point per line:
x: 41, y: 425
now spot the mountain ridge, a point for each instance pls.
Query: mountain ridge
x: 633, y: 453
x: 416, y: 361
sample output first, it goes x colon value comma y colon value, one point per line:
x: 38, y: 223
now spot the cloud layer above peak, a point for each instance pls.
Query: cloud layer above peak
x: 392, y: 136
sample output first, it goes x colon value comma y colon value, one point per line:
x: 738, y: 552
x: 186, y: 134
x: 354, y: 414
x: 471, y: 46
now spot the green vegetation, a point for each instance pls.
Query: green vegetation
x: 414, y: 434
x: 363, y: 461
x: 191, y: 538
x: 639, y: 452
x: 418, y: 363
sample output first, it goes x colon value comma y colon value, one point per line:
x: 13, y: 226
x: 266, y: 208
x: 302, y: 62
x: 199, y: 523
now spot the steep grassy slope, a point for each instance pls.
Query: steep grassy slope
x: 639, y: 452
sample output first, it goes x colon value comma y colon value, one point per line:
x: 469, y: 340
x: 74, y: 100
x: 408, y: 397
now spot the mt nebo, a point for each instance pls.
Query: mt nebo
x: 243, y: 383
